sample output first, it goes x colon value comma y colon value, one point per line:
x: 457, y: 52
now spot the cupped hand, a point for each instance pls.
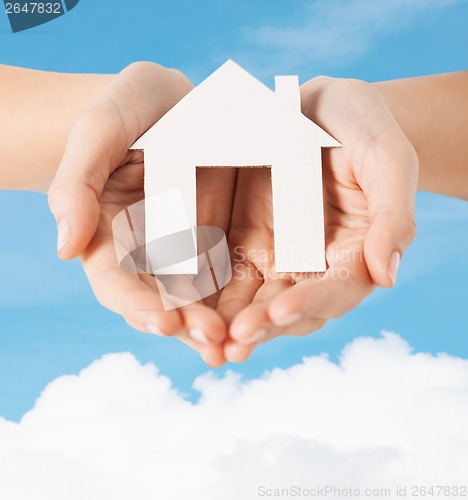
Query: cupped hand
x: 98, y: 177
x: 369, y: 188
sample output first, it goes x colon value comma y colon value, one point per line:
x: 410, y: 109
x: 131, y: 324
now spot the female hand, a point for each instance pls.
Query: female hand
x: 98, y: 177
x: 369, y: 189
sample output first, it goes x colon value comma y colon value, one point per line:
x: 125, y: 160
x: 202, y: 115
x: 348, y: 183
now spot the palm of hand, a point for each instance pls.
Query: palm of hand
x: 369, y: 188
x: 135, y: 296
x: 256, y: 289
x: 240, y: 202
x: 258, y: 304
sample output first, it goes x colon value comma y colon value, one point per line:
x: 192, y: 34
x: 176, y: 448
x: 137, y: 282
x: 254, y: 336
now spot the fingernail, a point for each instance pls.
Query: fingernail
x: 63, y: 234
x: 393, y: 266
x: 290, y: 320
x: 198, y: 335
x: 154, y: 329
x: 258, y: 336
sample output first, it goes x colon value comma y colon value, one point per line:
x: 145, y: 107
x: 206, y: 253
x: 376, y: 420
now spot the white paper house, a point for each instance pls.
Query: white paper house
x: 233, y: 120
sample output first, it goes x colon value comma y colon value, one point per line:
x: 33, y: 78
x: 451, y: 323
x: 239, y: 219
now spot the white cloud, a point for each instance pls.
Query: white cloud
x: 383, y: 416
x: 335, y: 30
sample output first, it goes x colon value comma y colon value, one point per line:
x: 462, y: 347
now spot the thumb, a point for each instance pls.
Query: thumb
x: 98, y: 144
x: 390, y: 188
x: 74, y: 193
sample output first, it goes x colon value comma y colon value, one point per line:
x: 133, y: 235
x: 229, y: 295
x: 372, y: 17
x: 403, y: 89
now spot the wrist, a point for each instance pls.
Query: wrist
x: 398, y: 106
x: 40, y: 109
x: 67, y: 99
x: 354, y: 112
x: 431, y: 112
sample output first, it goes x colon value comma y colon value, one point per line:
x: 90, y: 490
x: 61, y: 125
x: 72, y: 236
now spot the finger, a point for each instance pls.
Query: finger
x: 384, y: 162
x: 341, y: 288
x: 213, y: 355
x: 390, y: 186
x: 240, y: 291
x: 98, y: 144
x: 237, y: 296
x: 203, y: 324
x: 251, y: 325
x: 250, y: 234
x: 214, y: 200
x: 298, y: 329
x: 215, y: 194
x: 143, y: 327
x: 237, y: 353
x: 124, y: 293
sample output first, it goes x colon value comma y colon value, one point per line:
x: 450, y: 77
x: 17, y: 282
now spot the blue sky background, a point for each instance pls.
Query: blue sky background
x: 50, y: 323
